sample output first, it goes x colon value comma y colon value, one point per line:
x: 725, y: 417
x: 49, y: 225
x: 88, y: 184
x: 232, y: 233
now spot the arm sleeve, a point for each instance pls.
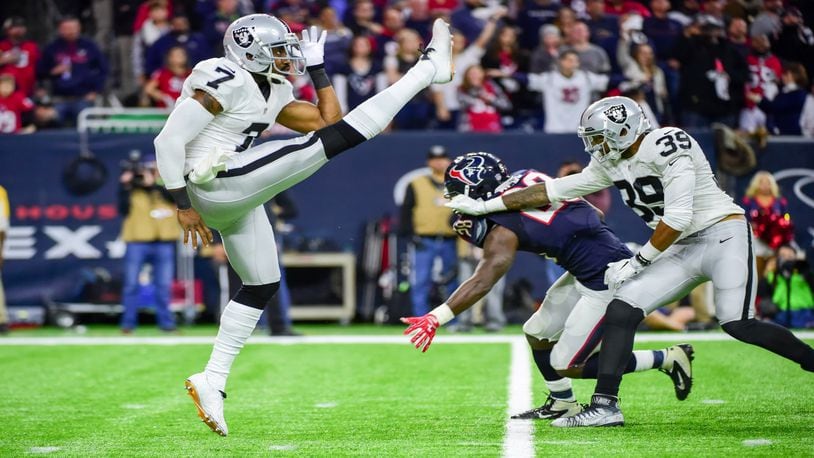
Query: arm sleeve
x: 406, y: 226
x: 185, y: 122
x: 598, y: 82
x: 536, y: 81
x: 591, y: 179
x: 679, y: 188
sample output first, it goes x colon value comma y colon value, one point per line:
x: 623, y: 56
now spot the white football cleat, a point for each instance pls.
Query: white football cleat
x: 603, y: 411
x: 209, y: 402
x: 207, y: 168
x: 439, y: 52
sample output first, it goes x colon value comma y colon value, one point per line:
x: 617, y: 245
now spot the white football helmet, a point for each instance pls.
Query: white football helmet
x: 264, y: 44
x: 609, y: 126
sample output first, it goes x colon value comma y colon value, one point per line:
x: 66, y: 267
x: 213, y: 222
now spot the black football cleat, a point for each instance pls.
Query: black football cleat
x: 552, y: 408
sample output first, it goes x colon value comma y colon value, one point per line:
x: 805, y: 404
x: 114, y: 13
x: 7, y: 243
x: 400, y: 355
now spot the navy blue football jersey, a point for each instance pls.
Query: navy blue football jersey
x: 570, y: 232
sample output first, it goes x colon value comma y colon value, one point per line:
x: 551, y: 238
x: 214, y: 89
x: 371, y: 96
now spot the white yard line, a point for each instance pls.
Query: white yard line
x: 348, y: 339
x: 519, y: 439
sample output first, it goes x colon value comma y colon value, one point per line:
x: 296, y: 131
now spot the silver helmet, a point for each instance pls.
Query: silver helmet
x: 609, y: 126
x: 264, y: 44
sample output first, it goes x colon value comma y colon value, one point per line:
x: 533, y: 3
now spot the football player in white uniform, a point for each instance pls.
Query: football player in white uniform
x: 700, y: 235
x: 225, y: 104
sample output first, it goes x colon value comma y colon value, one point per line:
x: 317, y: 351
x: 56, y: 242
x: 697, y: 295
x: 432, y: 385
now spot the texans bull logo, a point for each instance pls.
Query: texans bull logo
x: 243, y: 37
x: 469, y: 171
x: 617, y: 114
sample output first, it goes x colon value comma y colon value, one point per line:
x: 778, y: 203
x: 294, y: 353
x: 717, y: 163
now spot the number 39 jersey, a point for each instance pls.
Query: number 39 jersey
x: 246, y: 111
x: 668, y: 174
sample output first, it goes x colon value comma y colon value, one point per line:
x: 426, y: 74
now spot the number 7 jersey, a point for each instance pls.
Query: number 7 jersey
x: 246, y: 110
x: 668, y: 174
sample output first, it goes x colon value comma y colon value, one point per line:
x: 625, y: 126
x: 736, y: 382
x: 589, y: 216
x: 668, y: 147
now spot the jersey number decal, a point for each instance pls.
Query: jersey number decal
x: 543, y: 214
x: 251, y: 133
x: 229, y: 75
x: 670, y: 140
x: 641, y: 196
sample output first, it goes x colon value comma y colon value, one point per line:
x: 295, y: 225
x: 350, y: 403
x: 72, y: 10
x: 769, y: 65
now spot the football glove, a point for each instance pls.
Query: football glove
x: 312, y: 45
x: 621, y: 271
x: 422, y: 329
x: 469, y: 206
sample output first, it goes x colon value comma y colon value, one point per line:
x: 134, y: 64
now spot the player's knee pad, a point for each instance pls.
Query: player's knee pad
x: 541, y: 325
x: 622, y: 314
x: 560, y: 358
x: 339, y: 137
x: 256, y: 296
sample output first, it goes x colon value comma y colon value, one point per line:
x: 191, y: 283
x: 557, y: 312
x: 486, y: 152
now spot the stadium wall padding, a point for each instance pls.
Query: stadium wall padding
x: 56, y: 237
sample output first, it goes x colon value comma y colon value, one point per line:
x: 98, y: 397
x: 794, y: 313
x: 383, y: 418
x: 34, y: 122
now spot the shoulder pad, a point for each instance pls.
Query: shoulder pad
x: 220, y: 78
x: 473, y: 229
x: 662, y: 146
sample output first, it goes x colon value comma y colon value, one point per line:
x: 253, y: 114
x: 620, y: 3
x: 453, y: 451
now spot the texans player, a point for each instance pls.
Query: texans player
x: 699, y: 235
x: 218, y: 180
x: 565, y: 332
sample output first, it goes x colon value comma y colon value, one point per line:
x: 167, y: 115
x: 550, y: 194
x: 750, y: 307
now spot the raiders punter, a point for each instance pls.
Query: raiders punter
x: 564, y: 333
x: 215, y: 185
x: 700, y: 235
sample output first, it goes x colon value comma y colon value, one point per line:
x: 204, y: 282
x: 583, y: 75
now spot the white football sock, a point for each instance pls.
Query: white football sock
x: 374, y: 114
x: 644, y: 360
x: 236, y: 325
x: 558, y: 386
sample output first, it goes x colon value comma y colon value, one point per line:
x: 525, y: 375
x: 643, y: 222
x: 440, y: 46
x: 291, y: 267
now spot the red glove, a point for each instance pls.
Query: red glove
x: 422, y: 329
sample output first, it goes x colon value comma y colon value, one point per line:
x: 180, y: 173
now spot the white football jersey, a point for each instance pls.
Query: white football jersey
x: 246, y: 112
x: 647, y: 181
x: 564, y: 98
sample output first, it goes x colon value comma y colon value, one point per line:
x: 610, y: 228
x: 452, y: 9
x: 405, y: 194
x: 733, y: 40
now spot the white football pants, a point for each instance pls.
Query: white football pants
x: 570, y: 314
x: 233, y: 202
x: 721, y: 253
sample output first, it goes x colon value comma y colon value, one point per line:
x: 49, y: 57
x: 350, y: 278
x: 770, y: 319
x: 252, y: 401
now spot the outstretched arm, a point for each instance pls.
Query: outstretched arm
x: 591, y: 179
x: 499, y: 250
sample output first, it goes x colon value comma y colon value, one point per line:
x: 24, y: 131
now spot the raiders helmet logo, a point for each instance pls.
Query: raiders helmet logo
x: 617, y: 114
x: 243, y: 37
x: 469, y: 171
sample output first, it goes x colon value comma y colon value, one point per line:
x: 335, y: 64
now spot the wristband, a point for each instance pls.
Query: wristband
x: 647, y: 254
x: 181, y: 198
x: 319, y: 76
x: 443, y: 314
x: 495, y: 205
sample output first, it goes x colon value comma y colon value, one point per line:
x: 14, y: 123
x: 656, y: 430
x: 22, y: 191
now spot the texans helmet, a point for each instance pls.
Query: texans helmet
x: 476, y: 175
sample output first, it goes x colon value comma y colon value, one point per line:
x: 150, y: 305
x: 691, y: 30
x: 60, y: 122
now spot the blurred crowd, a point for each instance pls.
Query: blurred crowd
x: 521, y: 64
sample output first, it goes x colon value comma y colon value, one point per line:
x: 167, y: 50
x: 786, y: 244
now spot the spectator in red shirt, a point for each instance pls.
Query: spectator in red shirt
x: 481, y: 102
x: 165, y: 84
x: 765, y: 72
x: 18, y: 56
x: 623, y: 7
x: 13, y: 105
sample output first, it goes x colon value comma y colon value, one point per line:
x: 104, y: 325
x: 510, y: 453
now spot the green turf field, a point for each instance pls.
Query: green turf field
x: 384, y: 399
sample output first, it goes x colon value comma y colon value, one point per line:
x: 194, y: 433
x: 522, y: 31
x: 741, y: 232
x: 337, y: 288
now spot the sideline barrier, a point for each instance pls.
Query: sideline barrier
x: 55, y: 236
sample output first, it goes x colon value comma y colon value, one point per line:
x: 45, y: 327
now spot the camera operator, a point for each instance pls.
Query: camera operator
x: 150, y: 231
x: 790, y: 283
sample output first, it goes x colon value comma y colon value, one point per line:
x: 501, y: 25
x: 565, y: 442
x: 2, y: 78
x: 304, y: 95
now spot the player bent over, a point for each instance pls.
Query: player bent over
x: 700, y: 235
x: 565, y: 332
x: 226, y: 190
